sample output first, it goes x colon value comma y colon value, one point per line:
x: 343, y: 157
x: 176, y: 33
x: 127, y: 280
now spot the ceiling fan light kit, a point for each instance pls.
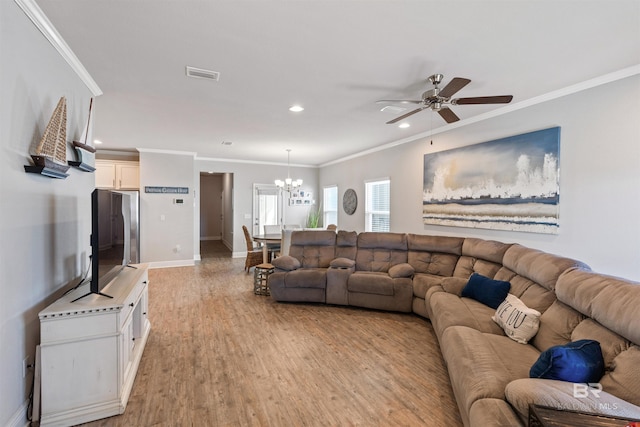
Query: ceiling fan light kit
x: 437, y: 99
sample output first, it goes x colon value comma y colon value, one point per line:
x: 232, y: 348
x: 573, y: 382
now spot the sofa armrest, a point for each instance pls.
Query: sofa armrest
x: 523, y: 392
x: 286, y: 262
x: 342, y: 263
x: 401, y: 270
x: 454, y: 285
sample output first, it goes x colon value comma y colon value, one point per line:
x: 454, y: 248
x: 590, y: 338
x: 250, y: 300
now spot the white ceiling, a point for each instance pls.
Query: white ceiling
x: 335, y: 58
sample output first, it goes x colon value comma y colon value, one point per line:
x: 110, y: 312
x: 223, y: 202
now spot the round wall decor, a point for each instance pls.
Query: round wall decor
x: 349, y: 201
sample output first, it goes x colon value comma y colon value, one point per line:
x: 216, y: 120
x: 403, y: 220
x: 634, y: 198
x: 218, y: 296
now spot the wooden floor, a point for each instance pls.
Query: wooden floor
x: 218, y: 355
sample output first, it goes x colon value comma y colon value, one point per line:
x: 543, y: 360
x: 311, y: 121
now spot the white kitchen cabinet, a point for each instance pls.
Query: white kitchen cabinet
x: 119, y: 175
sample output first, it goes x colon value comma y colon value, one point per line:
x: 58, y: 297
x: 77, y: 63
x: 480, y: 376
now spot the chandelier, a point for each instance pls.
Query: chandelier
x: 288, y: 184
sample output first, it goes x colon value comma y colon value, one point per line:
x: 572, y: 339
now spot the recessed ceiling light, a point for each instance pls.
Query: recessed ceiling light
x: 296, y: 108
x: 97, y: 141
x: 404, y: 125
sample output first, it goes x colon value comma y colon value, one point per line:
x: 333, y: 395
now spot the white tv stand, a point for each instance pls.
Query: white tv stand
x: 90, y: 350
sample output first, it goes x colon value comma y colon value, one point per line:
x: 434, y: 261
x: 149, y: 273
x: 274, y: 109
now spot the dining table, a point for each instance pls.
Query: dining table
x: 265, y: 240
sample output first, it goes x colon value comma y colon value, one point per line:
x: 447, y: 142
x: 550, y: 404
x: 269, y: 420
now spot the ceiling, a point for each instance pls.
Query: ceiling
x: 335, y: 58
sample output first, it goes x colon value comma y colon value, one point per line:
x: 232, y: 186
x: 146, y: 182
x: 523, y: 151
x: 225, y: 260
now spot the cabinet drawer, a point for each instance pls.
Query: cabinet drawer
x: 132, y: 299
x: 77, y: 326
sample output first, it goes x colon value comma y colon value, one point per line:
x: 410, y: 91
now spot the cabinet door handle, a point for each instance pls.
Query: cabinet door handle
x: 145, y: 313
x: 131, y: 305
x: 133, y: 339
x: 145, y: 282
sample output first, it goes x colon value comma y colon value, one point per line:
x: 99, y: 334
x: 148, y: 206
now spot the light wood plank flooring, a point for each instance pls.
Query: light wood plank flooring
x: 218, y: 355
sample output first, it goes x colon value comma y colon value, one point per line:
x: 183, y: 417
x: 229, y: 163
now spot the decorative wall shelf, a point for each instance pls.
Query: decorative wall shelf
x: 45, y: 171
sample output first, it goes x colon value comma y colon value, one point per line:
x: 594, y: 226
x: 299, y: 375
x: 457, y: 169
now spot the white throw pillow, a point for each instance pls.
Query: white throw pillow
x: 519, y: 322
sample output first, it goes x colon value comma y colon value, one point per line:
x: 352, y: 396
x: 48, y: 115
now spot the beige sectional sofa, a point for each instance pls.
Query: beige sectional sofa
x: 489, y: 371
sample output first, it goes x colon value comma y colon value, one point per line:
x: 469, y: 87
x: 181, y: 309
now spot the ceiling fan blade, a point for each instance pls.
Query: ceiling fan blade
x: 404, y: 116
x: 454, y: 85
x: 398, y: 101
x: 503, y: 99
x: 448, y: 115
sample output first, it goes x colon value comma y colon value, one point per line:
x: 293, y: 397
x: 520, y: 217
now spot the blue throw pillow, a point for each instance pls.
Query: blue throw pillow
x: 578, y: 362
x: 485, y: 290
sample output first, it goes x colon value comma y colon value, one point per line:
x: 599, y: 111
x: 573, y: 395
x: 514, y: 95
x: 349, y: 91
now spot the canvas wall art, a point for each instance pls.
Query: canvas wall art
x: 506, y: 184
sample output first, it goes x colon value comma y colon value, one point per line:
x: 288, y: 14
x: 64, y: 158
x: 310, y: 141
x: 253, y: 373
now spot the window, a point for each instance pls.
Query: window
x: 377, y: 205
x: 330, y: 206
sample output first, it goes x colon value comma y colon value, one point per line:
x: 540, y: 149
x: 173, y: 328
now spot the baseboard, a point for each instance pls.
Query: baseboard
x: 169, y: 264
x: 211, y: 238
x: 19, y: 418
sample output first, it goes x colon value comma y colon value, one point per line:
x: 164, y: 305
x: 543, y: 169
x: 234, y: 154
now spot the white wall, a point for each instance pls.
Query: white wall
x: 599, y: 180
x: 45, y: 223
x: 167, y: 228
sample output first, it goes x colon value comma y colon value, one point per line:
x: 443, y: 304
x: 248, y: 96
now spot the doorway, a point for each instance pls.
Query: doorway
x: 216, y: 215
x: 267, y: 207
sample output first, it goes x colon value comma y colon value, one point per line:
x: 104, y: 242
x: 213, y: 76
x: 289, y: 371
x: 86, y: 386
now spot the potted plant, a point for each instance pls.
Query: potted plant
x: 313, y: 217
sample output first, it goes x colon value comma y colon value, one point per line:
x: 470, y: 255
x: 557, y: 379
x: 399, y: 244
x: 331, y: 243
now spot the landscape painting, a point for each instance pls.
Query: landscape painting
x: 506, y: 184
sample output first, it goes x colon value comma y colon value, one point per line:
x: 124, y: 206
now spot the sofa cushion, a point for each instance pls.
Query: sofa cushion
x: 286, y: 262
x: 556, y: 325
x: 566, y: 396
x: 480, y: 256
x: 306, y: 278
x: 611, y: 301
x: 485, y: 290
x: 401, y: 270
x: 481, y: 365
x: 423, y: 282
x: 435, y: 255
x: 314, y: 249
x: 578, y: 361
x: 380, y: 251
x: 623, y: 380
x: 538, y: 266
x: 346, y: 242
x: 446, y: 310
x: 370, y: 283
x: 611, y: 343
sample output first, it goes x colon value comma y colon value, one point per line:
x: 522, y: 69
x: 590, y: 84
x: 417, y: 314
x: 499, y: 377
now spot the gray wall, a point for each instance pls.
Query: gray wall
x: 45, y: 222
x: 599, y: 180
x: 167, y: 228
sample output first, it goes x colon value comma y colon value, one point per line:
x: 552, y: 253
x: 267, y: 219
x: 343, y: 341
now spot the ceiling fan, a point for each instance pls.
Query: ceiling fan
x: 437, y: 99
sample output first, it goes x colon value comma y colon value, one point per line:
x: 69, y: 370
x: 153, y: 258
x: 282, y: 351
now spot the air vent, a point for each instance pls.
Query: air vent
x: 200, y: 73
x: 227, y: 142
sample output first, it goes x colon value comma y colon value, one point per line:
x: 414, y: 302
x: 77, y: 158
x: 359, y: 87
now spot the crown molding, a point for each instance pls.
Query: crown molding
x: 172, y: 152
x: 255, y: 162
x: 40, y: 20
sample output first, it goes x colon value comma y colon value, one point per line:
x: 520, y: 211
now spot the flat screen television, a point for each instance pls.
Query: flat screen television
x: 113, y: 245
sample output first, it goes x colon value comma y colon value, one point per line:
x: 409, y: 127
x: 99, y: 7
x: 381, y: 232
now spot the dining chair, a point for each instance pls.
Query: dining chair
x: 332, y: 227
x: 254, y: 254
x: 292, y: 227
